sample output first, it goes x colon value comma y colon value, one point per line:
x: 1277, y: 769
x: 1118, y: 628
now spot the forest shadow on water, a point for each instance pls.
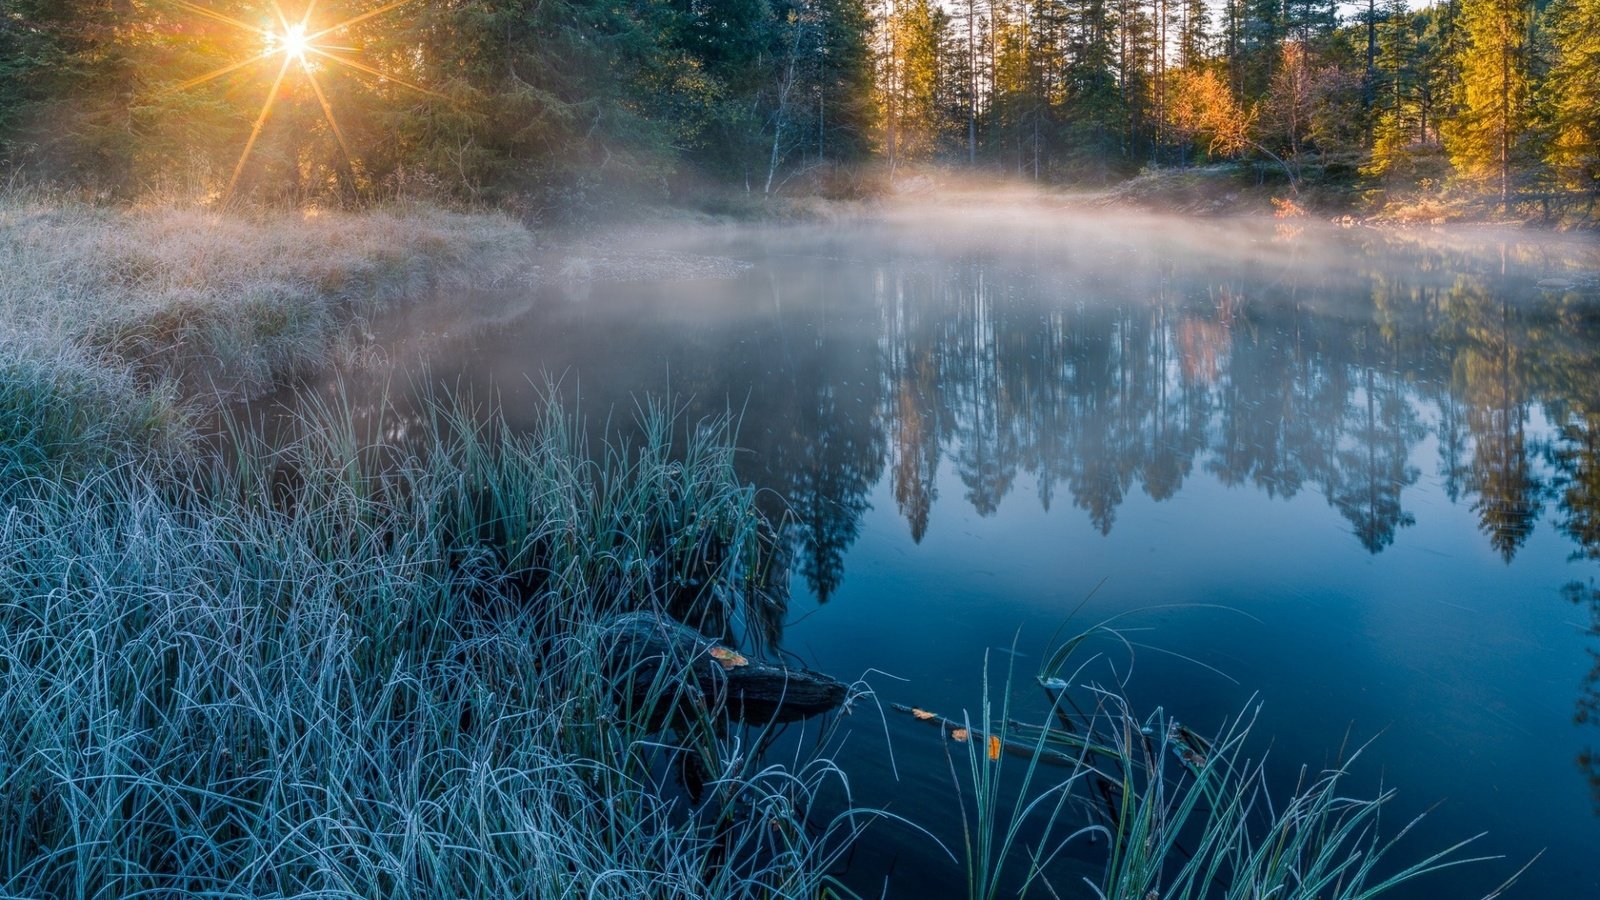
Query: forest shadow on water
x: 1351, y: 475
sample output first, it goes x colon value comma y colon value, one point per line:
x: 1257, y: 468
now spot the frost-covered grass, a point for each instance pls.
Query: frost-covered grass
x: 295, y: 672
x: 1157, y: 809
x: 334, y: 667
x: 110, y: 316
x: 243, y: 297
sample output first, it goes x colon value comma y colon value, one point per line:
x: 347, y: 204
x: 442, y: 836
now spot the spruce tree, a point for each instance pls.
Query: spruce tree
x: 1493, y: 93
x: 1570, y: 98
x: 1193, y: 37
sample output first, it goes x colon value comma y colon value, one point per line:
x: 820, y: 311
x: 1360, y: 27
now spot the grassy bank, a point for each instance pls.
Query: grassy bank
x: 114, y: 320
x: 360, y: 669
x: 333, y: 667
x: 302, y: 672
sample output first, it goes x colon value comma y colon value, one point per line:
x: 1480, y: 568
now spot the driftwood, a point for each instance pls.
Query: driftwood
x: 661, y: 665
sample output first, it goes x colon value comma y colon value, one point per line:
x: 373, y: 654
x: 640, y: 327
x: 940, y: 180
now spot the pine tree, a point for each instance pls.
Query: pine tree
x: 1093, y: 105
x: 1483, y: 137
x: 844, y: 80
x: 1392, y: 82
x: 915, y: 42
x: 51, y: 51
x: 1570, y: 99
x: 1438, y: 66
x: 1193, y: 33
x: 1396, y: 48
x: 967, y: 67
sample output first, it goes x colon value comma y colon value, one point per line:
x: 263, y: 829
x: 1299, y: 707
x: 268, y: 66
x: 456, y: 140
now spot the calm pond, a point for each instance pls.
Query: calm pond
x: 1348, y: 475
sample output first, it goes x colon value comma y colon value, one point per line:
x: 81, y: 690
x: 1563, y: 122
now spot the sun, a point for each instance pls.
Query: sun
x: 294, y: 44
x: 291, y: 42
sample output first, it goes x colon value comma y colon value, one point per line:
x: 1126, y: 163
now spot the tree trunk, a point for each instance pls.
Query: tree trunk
x: 782, y: 112
x: 972, y: 87
x: 1505, y: 121
x: 1369, y: 85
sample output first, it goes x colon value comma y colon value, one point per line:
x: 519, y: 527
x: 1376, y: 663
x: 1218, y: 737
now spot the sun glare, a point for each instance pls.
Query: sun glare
x: 293, y: 44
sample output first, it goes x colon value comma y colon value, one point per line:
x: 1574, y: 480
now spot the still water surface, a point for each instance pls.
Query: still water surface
x: 1349, y: 476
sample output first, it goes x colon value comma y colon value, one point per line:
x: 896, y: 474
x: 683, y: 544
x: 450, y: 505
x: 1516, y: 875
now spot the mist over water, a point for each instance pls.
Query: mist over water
x: 1350, y: 475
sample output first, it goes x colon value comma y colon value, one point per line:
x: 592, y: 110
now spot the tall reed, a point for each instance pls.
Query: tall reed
x: 1135, y: 807
x: 373, y: 669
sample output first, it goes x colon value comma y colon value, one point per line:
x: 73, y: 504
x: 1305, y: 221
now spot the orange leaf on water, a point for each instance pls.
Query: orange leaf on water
x: 921, y: 713
x: 729, y: 658
x: 994, y: 747
x: 960, y: 734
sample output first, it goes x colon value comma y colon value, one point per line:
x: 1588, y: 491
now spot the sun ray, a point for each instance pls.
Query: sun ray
x: 199, y: 10
x: 261, y: 121
x: 225, y: 70
x: 376, y: 73
x: 283, y: 20
x: 387, y: 7
x: 327, y: 111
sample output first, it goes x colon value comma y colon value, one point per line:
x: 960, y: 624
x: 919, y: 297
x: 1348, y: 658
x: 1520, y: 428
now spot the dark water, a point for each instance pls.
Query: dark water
x: 1355, y: 477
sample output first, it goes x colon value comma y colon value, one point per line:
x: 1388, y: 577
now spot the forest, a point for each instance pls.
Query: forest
x: 573, y: 104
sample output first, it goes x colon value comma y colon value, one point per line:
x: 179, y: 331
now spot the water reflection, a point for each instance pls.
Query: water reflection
x: 1586, y: 598
x: 992, y: 373
x: 1577, y: 455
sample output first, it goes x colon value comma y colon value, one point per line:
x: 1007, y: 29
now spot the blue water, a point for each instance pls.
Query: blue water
x: 1348, y: 478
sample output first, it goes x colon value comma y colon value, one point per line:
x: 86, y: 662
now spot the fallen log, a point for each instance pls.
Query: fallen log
x: 657, y: 662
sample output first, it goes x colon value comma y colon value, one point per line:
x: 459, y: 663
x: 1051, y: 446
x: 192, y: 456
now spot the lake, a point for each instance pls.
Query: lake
x: 1348, y: 476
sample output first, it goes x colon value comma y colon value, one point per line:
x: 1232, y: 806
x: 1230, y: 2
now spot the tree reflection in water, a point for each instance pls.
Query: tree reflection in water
x: 979, y: 370
x: 1577, y: 455
x: 1587, y: 598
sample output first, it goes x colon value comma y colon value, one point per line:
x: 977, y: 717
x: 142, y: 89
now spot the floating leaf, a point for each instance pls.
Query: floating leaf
x: 922, y: 713
x: 994, y: 747
x: 728, y: 658
x: 959, y: 734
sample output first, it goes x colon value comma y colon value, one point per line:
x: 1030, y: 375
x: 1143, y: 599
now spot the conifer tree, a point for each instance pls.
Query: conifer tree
x: 1570, y: 100
x: 1094, y: 109
x: 916, y: 39
x: 50, y: 51
x: 1493, y: 94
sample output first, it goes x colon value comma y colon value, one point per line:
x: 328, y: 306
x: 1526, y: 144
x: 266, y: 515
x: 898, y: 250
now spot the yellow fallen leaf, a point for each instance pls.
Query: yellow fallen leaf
x: 921, y: 713
x: 994, y: 747
x: 729, y: 658
x: 960, y: 734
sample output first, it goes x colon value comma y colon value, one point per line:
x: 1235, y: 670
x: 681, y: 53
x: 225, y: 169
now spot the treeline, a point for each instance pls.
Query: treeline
x: 547, y: 100
x: 1499, y: 95
x: 558, y: 101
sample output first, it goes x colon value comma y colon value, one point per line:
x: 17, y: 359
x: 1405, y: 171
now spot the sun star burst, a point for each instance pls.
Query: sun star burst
x: 291, y: 42
x: 294, y: 45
